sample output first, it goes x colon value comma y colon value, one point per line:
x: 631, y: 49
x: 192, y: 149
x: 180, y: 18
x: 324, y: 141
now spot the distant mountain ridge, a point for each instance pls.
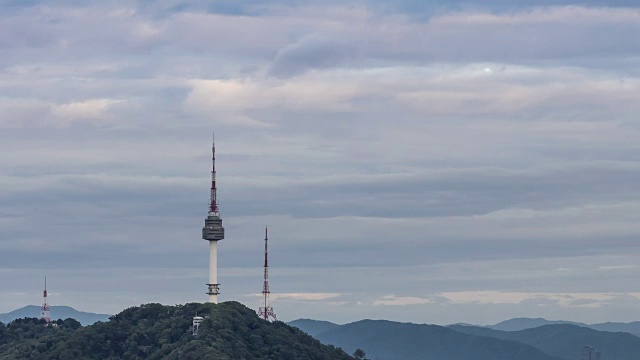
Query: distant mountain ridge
x: 518, y: 324
x: 387, y: 340
x: 631, y: 328
x: 312, y: 327
x: 543, y: 340
x: 57, y: 312
x: 565, y: 340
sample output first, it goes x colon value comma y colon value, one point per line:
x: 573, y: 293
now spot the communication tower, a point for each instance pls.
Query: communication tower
x: 44, y: 311
x: 266, y: 312
x: 213, y: 232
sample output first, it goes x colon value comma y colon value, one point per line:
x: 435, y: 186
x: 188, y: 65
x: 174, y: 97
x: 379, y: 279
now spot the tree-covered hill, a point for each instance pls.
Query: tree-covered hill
x: 230, y: 331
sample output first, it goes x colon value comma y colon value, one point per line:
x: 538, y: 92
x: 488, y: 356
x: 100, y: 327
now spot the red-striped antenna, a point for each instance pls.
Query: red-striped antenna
x: 213, y: 203
x: 44, y: 311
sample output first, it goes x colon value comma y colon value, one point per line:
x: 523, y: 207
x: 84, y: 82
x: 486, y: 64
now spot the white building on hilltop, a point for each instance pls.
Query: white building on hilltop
x: 590, y: 353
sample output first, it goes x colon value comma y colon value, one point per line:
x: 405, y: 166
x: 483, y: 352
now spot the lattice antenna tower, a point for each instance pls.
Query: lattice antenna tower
x: 266, y: 312
x: 45, y: 314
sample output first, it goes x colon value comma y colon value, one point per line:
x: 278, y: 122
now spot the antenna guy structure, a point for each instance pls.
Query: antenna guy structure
x: 213, y: 232
x: 44, y: 311
x: 266, y: 312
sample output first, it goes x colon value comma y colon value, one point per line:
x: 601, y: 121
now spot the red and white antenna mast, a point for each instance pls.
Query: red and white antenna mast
x: 44, y: 312
x: 266, y: 312
x: 213, y: 203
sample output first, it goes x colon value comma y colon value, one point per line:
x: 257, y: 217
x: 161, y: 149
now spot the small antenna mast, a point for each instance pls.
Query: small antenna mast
x: 266, y: 312
x: 45, y: 314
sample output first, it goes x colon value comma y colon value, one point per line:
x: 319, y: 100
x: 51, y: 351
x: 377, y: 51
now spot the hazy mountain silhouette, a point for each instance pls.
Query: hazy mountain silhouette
x: 387, y: 340
x: 517, y: 324
x: 57, y: 312
x: 529, y: 323
x: 565, y: 340
x: 312, y: 327
x: 632, y: 327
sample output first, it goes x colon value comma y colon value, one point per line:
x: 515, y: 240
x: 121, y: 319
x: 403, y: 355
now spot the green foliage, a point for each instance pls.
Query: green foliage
x: 70, y: 323
x: 359, y: 354
x: 153, y: 331
x: 31, y: 338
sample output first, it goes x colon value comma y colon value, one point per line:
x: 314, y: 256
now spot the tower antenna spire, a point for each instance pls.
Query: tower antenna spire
x: 213, y: 201
x: 45, y: 314
x: 213, y: 232
x: 266, y: 312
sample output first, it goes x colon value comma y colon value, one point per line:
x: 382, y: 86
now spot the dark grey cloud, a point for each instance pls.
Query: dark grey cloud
x: 522, y: 35
x: 87, y: 214
x: 419, y: 8
x: 528, y: 36
x: 315, y: 51
x: 446, y: 192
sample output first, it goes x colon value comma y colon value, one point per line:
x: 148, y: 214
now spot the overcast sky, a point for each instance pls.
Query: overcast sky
x: 432, y: 162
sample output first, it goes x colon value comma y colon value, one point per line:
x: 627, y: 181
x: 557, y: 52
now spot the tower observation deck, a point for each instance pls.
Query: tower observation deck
x: 213, y: 232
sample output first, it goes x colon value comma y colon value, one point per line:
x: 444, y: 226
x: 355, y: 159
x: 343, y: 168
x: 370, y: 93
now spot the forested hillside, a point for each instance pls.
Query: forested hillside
x: 230, y: 331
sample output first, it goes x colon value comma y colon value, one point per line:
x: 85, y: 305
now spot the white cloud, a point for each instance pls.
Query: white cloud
x: 616, y: 267
x: 229, y: 101
x: 590, y: 300
x: 570, y: 14
x: 91, y: 110
x: 304, y: 296
x: 392, y: 300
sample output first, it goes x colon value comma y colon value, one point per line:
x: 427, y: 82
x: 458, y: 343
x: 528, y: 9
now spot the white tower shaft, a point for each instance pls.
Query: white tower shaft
x: 213, y: 269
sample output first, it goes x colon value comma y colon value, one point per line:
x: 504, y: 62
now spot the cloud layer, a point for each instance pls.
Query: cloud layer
x: 476, y: 159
